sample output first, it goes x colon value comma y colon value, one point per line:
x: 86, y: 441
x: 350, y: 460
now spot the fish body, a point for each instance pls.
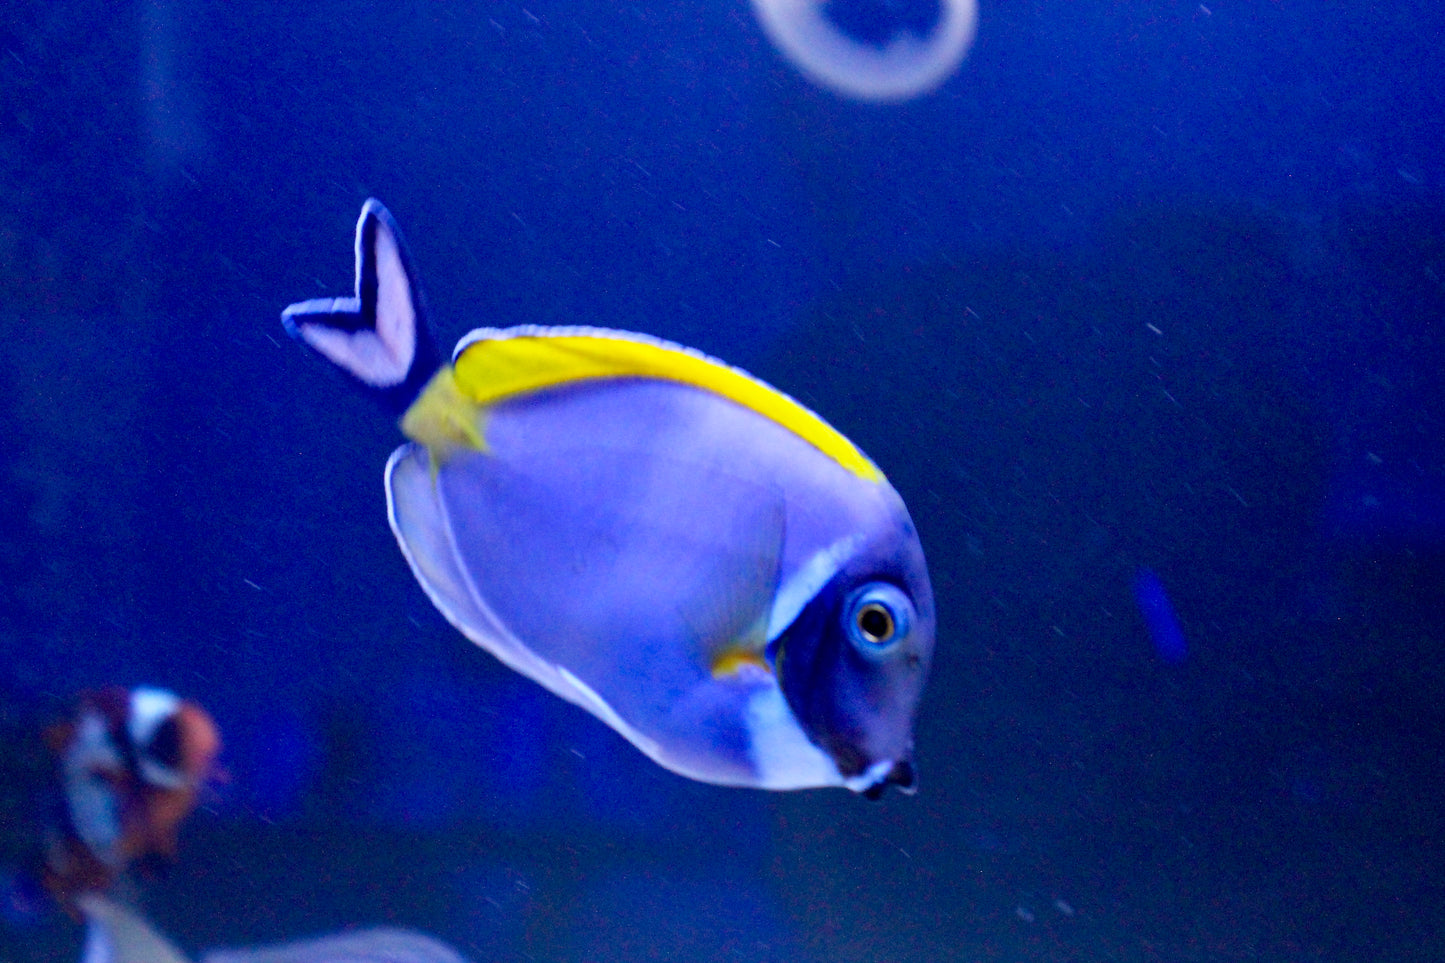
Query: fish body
x: 666, y: 541
x: 130, y: 764
x: 1159, y: 618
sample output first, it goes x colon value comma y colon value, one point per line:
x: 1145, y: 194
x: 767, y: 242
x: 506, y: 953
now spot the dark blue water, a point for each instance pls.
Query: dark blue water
x: 1158, y: 288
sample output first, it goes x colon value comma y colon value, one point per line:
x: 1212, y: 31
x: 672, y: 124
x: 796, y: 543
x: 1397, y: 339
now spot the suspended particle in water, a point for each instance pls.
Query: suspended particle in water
x: 873, y: 50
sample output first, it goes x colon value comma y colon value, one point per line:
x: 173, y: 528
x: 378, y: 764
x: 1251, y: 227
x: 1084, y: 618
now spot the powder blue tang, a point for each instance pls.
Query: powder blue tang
x: 663, y: 540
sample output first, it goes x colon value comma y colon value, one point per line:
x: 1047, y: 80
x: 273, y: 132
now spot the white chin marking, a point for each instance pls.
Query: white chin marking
x: 781, y: 753
x: 870, y: 777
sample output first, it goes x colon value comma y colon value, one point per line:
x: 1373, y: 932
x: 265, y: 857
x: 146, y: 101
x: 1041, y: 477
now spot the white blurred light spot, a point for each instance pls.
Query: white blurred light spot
x: 906, y: 66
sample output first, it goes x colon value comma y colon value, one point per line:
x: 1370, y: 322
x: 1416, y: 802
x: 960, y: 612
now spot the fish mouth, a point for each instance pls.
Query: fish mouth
x: 873, y: 781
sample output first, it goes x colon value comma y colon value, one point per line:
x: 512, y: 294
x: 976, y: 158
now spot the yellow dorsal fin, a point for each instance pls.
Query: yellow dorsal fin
x: 492, y: 365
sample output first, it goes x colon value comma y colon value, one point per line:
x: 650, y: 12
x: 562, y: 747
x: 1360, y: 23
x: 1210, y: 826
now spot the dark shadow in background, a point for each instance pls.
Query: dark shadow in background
x: 1181, y: 399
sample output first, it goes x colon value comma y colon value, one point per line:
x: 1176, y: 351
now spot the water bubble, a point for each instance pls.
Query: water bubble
x: 873, y: 50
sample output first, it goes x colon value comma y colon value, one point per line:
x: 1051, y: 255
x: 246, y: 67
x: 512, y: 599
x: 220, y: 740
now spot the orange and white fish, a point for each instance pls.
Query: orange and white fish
x: 131, y: 764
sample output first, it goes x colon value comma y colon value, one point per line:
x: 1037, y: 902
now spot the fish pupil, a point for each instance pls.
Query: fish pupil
x: 875, y: 622
x: 165, y: 745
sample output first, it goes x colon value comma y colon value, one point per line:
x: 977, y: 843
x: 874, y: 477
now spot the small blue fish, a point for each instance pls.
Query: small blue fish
x: 678, y: 548
x: 1159, y: 617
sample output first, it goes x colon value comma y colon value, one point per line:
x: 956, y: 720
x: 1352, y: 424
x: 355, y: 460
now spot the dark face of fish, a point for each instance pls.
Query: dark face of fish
x: 853, y: 664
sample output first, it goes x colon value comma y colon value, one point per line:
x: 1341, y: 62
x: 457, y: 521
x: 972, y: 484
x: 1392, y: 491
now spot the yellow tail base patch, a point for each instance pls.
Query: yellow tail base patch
x: 444, y: 418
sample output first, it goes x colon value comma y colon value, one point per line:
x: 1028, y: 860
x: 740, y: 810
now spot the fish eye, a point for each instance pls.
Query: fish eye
x: 872, y: 50
x: 875, y: 622
x: 877, y: 616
